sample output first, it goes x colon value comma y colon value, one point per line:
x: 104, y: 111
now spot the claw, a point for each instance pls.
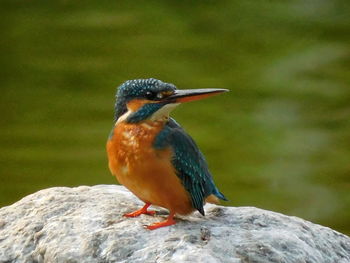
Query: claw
x: 168, y: 222
x: 141, y: 211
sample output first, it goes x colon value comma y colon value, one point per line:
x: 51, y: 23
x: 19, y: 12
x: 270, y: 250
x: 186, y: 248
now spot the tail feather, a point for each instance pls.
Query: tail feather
x: 220, y: 195
x: 214, y: 198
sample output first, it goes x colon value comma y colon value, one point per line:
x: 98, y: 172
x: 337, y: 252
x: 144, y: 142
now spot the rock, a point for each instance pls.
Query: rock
x: 85, y: 224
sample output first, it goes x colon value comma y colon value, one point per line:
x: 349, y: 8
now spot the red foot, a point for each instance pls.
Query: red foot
x: 141, y: 211
x: 170, y: 221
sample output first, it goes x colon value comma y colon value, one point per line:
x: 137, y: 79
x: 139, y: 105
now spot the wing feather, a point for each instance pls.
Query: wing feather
x: 189, y: 163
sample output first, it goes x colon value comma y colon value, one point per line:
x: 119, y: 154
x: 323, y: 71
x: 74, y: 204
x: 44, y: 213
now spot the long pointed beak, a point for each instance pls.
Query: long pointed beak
x: 187, y: 95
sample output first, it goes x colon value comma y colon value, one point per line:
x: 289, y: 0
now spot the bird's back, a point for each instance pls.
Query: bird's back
x: 190, y: 164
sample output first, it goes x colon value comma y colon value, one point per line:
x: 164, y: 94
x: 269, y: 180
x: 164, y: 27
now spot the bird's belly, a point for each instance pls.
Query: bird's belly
x: 145, y: 171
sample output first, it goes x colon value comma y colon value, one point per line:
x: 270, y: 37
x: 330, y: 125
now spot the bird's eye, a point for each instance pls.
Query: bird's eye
x: 154, y: 95
x: 151, y: 95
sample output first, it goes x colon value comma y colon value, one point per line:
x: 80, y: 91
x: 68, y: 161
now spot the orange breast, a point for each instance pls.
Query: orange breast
x: 145, y: 171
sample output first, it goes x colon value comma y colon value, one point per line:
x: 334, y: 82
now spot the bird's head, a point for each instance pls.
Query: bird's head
x: 142, y: 99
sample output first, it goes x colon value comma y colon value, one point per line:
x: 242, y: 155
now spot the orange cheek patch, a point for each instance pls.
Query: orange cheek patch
x: 136, y: 104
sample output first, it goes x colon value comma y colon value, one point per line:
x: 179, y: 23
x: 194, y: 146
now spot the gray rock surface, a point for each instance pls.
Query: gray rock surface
x: 85, y: 224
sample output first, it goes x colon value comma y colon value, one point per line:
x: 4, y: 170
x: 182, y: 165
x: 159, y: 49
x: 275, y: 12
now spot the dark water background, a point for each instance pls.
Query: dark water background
x: 280, y: 140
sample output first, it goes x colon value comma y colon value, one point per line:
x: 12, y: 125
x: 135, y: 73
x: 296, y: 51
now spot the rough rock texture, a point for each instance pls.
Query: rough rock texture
x: 85, y: 224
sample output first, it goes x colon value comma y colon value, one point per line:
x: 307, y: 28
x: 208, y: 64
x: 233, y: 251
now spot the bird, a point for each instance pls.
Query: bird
x: 152, y: 155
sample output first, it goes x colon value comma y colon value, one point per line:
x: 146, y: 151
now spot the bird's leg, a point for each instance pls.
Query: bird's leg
x: 168, y: 222
x: 141, y: 211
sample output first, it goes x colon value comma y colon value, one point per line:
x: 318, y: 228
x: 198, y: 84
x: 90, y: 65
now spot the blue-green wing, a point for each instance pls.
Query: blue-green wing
x: 189, y: 163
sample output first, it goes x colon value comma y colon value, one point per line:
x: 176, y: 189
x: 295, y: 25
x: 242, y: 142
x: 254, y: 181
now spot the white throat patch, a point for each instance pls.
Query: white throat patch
x: 164, y: 111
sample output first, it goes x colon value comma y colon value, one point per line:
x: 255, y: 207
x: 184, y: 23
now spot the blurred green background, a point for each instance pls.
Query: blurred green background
x: 280, y: 140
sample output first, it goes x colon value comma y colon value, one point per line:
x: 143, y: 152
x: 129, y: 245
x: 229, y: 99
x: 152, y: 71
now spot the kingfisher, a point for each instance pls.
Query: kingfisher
x: 152, y: 155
